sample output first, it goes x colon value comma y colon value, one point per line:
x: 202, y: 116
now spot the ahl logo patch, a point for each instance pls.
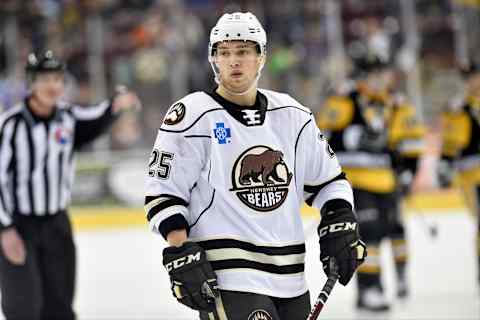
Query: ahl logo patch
x: 259, y: 315
x: 260, y: 178
x: 175, y: 114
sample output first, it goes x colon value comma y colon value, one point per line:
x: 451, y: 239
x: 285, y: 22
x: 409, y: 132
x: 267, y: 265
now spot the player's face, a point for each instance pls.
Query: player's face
x: 238, y: 63
x: 48, y: 87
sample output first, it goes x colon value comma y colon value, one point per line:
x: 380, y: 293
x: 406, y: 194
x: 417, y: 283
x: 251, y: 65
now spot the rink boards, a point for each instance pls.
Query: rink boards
x: 91, y: 218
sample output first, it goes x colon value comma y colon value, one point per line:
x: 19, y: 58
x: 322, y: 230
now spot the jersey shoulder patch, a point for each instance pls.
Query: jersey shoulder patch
x: 175, y: 114
x: 186, y: 112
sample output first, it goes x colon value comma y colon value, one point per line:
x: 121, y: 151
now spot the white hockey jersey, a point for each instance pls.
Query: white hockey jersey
x: 236, y: 178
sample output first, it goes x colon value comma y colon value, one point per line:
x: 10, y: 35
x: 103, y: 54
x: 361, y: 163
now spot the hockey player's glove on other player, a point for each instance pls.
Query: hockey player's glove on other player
x: 194, y: 283
x: 340, y: 239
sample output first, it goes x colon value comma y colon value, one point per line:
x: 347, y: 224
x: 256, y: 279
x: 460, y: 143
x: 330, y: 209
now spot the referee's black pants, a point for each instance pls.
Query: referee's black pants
x: 43, y: 287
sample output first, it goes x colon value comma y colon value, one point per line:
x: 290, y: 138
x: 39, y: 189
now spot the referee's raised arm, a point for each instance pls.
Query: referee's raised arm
x: 92, y: 121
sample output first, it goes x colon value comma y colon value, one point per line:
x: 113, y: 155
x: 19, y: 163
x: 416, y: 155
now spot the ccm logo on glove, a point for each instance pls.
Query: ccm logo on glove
x: 180, y: 262
x: 336, y: 227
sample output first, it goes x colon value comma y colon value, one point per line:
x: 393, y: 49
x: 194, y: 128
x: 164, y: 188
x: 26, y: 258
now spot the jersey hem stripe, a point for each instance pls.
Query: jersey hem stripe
x: 248, y: 246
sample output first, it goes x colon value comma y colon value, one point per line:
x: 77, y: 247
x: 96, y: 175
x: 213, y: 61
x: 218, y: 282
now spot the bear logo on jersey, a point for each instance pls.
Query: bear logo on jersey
x: 259, y: 315
x: 175, y: 114
x: 260, y: 178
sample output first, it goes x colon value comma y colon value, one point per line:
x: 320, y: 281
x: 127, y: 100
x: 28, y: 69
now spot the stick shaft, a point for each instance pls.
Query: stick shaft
x: 323, y: 296
x: 326, y: 290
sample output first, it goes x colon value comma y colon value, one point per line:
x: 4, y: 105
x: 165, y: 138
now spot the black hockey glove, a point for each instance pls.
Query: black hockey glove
x: 340, y: 239
x: 194, y: 283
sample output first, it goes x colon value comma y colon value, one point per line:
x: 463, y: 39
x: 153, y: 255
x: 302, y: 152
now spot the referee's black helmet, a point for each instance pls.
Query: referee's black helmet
x: 45, y: 62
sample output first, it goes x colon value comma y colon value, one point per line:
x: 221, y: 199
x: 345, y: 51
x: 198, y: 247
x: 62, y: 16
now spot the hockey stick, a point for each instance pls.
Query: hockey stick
x: 326, y: 290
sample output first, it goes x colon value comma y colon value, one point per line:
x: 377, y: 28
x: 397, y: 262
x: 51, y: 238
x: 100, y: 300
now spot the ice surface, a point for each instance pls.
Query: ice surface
x: 120, y: 275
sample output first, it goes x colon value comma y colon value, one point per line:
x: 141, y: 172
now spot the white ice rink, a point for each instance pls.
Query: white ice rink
x: 120, y: 275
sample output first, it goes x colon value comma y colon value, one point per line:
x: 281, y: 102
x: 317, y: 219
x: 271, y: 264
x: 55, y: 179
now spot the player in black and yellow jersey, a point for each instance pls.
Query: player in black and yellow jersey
x: 461, y: 145
x: 377, y: 139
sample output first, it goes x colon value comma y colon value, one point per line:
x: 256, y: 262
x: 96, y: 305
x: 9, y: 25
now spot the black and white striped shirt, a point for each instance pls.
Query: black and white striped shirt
x: 37, y: 156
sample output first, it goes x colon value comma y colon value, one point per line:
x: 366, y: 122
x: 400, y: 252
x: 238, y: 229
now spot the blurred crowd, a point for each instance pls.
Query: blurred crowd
x: 159, y: 47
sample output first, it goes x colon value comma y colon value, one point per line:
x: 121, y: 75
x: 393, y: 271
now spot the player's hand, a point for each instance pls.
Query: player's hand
x: 124, y: 100
x: 13, y: 246
x: 340, y: 239
x: 194, y: 283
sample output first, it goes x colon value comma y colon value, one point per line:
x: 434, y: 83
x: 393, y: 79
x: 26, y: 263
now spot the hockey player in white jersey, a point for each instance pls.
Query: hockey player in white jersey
x: 227, y: 176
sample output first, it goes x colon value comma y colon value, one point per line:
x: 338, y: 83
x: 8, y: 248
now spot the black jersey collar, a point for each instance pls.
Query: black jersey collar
x: 249, y: 116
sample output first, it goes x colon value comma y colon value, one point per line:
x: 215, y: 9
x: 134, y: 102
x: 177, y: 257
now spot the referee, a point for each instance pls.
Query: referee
x: 38, y: 139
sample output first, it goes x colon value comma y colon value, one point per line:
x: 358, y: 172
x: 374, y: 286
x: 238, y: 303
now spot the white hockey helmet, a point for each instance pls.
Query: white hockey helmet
x: 236, y: 26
